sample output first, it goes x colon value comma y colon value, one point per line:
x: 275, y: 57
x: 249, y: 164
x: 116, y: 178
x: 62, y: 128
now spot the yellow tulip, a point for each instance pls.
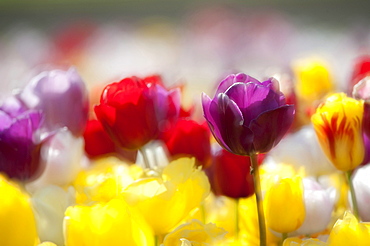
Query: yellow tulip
x: 195, y: 233
x: 17, y: 222
x: 166, y: 199
x: 338, y: 126
x: 284, y: 205
x: 295, y: 241
x: 313, y: 79
x: 113, y: 223
x: 349, y: 231
x: 104, y: 179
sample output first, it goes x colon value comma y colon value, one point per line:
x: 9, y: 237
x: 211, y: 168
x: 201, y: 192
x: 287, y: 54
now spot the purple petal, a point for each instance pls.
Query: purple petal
x: 234, y: 78
x: 253, y: 99
x: 13, y: 106
x: 226, y: 123
x: 5, y: 120
x: 270, y: 127
x: 63, y: 98
x: 24, y: 126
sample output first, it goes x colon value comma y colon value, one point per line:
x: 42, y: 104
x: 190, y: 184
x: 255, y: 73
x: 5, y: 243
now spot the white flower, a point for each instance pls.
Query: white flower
x: 62, y: 155
x: 319, y: 204
x: 49, y: 204
x: 361, y: 183
x: 302, y: 150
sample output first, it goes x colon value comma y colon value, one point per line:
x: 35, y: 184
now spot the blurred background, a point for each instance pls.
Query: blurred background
x: 191, y: 42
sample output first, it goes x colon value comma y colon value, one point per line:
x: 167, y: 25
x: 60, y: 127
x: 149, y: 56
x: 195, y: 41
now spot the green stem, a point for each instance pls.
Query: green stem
x: 284, y: 236
x: 353, y: 194
x: 258, y: 193
x: 158, y: 240
x: 145, y: 158
x: 237, y: 219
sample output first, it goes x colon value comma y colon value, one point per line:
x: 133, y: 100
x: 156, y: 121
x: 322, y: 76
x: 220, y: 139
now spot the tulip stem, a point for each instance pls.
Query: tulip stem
x: 258, y: 193
x: 237, y: 219
x: 284, y: 236
x: 353, y: 194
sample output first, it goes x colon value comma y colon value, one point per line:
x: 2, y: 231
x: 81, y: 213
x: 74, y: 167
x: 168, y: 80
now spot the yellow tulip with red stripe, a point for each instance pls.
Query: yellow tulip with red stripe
x: 338, y: 126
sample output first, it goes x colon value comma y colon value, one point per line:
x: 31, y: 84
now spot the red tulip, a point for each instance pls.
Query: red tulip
x: 230, y: 175
x: 188, y: 137
x: 97, y: 141
x: 133, y: 111
x: 361, y: 70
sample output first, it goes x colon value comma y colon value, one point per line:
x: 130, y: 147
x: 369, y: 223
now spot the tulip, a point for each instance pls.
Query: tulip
x: 362, y: 91
x: 104, y: 180
x: 285, y: 215
x: 20, y: 142
x: 172, y: 195
x: 196, y: 233
x: 360, y: 71
x: 247, y: 116
x: 49, y: 204
x: 189, y: 138
x: 134, y: 111
x: 319, y: 205
x: 349, y: 231
x: 62, y: 157
x: 338, y: 125
x: 307, y: 155
x: 361, y: 184
x: 97, y: 141
x: 230, y: 174
x: 17, y: 222
x: 313, y: 79
x: 113, y: 223
x: 61, y: 96
x: 295, y: 241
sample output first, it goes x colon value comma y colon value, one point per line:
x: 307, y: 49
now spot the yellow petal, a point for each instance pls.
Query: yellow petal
x: 284, y: 205
x: 338, y: 126
x: 17, y: 222
x: 349, y: 231
x: 179, y: 189
x: 114, y: 223
x: 104, y: 179
x: 295, y: 241
x: 195, y: 232
x: 313, y: 79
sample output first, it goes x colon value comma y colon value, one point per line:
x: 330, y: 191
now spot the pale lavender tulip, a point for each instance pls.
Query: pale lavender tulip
x: 361, y: 183
x: 319, y: 204
x: 61, y: 96
x: 62, y: 156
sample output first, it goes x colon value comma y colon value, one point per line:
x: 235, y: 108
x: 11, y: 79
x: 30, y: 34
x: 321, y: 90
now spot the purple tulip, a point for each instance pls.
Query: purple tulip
x: 19, y: 140
x: 61, y: 96
x: 247, y: 116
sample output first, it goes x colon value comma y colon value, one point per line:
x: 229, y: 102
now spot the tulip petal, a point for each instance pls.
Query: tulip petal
x: 226, y: 123
x: 234, y: 78
x: 270, y: 127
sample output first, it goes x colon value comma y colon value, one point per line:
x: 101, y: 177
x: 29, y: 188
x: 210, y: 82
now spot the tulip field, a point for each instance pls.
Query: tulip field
x: 225, y: 126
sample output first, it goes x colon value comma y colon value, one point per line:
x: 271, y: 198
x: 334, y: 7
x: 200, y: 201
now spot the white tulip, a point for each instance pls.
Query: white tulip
x: 302, y: 150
